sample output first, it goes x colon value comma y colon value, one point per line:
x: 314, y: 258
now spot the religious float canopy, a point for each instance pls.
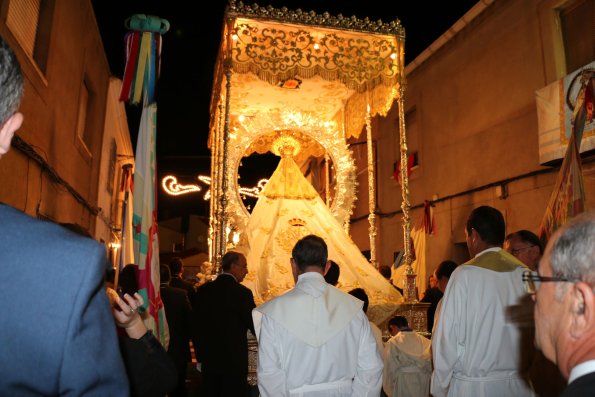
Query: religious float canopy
x: 313, y: 77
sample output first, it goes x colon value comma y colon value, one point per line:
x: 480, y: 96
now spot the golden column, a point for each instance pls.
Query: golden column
x: 410, y: 289
x: 371, y: 189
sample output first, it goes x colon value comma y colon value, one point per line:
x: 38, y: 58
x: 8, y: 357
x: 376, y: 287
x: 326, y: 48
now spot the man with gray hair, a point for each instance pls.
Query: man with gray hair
x: 56, y: 318
x: 563, y: 291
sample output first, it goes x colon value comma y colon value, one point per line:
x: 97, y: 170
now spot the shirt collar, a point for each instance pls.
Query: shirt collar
x: 491, y: 249
x: 581, y: 369
x: 229, y: 274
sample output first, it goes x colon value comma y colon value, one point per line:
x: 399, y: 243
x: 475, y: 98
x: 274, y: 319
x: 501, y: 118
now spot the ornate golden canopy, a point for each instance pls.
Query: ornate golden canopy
x: 315, y: 75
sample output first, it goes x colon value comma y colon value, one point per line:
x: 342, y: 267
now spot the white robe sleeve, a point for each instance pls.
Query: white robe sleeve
x: 270, y: 374
x: 389, y: 369
x: 450, y: 331
x: 368, y: 377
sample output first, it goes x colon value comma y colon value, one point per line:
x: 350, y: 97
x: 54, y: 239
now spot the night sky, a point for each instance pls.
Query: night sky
x: 188, y: 59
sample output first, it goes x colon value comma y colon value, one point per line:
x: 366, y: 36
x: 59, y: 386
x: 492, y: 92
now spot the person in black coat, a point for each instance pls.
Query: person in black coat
x: 176, y: 268
x: 223, y: 315
x: 432, y: 296
x: 179, y: 316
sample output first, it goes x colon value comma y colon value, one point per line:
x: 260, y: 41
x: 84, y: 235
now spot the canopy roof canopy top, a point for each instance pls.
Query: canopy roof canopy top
x: 282, y: 62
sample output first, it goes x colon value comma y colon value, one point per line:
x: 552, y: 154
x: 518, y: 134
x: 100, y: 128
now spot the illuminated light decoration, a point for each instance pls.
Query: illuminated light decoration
x: 172, y: 187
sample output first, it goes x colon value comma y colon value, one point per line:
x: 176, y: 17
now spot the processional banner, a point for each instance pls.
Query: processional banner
x: 143, y: 52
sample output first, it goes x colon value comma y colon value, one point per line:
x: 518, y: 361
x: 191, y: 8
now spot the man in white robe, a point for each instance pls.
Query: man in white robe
x: 408, y: 361
x: 315, y: 340
x: 476, y: 344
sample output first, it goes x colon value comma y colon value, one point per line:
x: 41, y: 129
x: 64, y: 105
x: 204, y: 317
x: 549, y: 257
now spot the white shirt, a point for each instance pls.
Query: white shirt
x: 476, y: 346
x: 407, y: 365
x: 378, y: 336
x: 582, y: 369
x: 346, y: 364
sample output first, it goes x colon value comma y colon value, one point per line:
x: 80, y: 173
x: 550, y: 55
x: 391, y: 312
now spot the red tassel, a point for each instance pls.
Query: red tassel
x: 132, y: 46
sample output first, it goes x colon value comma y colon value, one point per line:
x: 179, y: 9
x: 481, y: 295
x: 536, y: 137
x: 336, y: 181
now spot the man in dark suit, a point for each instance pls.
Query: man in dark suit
x: 176, y: 267
x: 58, y: 334
x: 179, y: 321
x: 563, y: 291
x: 223, y: 315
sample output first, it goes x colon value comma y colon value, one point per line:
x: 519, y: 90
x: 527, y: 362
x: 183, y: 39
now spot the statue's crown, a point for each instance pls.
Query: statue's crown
x: 297, y: 222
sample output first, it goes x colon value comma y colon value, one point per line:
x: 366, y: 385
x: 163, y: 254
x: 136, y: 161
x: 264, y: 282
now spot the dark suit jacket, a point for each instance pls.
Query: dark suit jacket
x: 432, y: 296
x: 58, y: 333
x: 179, y: 316
x: 223, y: 315
x: 581, y: 387
x: 177, y: 282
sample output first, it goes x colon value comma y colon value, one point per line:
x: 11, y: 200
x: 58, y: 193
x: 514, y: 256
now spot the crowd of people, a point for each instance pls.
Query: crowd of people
x: 314, y: 340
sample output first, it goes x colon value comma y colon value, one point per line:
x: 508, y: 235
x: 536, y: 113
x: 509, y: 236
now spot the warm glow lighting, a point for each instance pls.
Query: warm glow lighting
x: 115, y: 245
x: 393, y: 56
x: 172, y: 187
x: 316, y: 46
x: 234, y: 37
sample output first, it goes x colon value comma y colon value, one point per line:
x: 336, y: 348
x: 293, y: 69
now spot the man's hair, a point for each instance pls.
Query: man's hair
x: 176, y: 265
x: 230, y: 258
x: 489, y: 223
x: 527, y: 236
x: 164, y: 274
x: 445, y: 269
x: 385, y: 271
x: 310, y: 251
x: 573, y: 253
x: 332, y: 275
x: 360, y: 294
x: 399, y: 322
x: 11, y: 82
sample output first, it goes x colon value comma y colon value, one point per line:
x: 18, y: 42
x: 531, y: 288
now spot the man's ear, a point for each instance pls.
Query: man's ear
x: 7, y: 131
x: 326, y: 267
x: 583, y: 310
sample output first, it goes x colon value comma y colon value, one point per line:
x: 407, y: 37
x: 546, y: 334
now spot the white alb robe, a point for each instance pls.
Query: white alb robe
x: 476, y: 346
x: 407, y: 365
x: 315, y: 341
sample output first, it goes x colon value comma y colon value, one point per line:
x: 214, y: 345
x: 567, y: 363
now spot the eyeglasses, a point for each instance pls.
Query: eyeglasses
x: 516, y: 251
x: 532, y: 280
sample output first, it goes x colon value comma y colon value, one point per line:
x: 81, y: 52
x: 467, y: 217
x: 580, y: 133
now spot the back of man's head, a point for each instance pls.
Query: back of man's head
x: 399, y: 322
x: 176, y: 265
x: 488, y: 222
x: 527, y: 236
x: 445, y: 269
x: 360, y: 294
x: 332, y: 275
x: 385, y: 271
x: 164, y: 274
x: 230, y: 258
x: 11, y: 82
x: 310, y: 251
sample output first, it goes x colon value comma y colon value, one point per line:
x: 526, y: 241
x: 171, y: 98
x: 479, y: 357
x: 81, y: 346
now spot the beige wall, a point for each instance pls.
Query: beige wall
x: 51, y: 110
x: 475, y: 124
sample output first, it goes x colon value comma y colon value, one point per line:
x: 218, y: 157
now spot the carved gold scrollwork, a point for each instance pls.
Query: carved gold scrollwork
x: 276, y: 54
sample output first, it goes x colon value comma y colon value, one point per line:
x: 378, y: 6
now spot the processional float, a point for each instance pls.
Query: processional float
x: 315, y: 80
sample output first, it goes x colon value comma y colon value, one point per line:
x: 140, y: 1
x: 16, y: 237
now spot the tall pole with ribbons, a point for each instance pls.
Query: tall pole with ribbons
x: 143, y: 51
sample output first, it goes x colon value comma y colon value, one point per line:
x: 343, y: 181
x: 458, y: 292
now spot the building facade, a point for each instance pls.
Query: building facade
x: 66, y: 161
x: 472, y: 125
